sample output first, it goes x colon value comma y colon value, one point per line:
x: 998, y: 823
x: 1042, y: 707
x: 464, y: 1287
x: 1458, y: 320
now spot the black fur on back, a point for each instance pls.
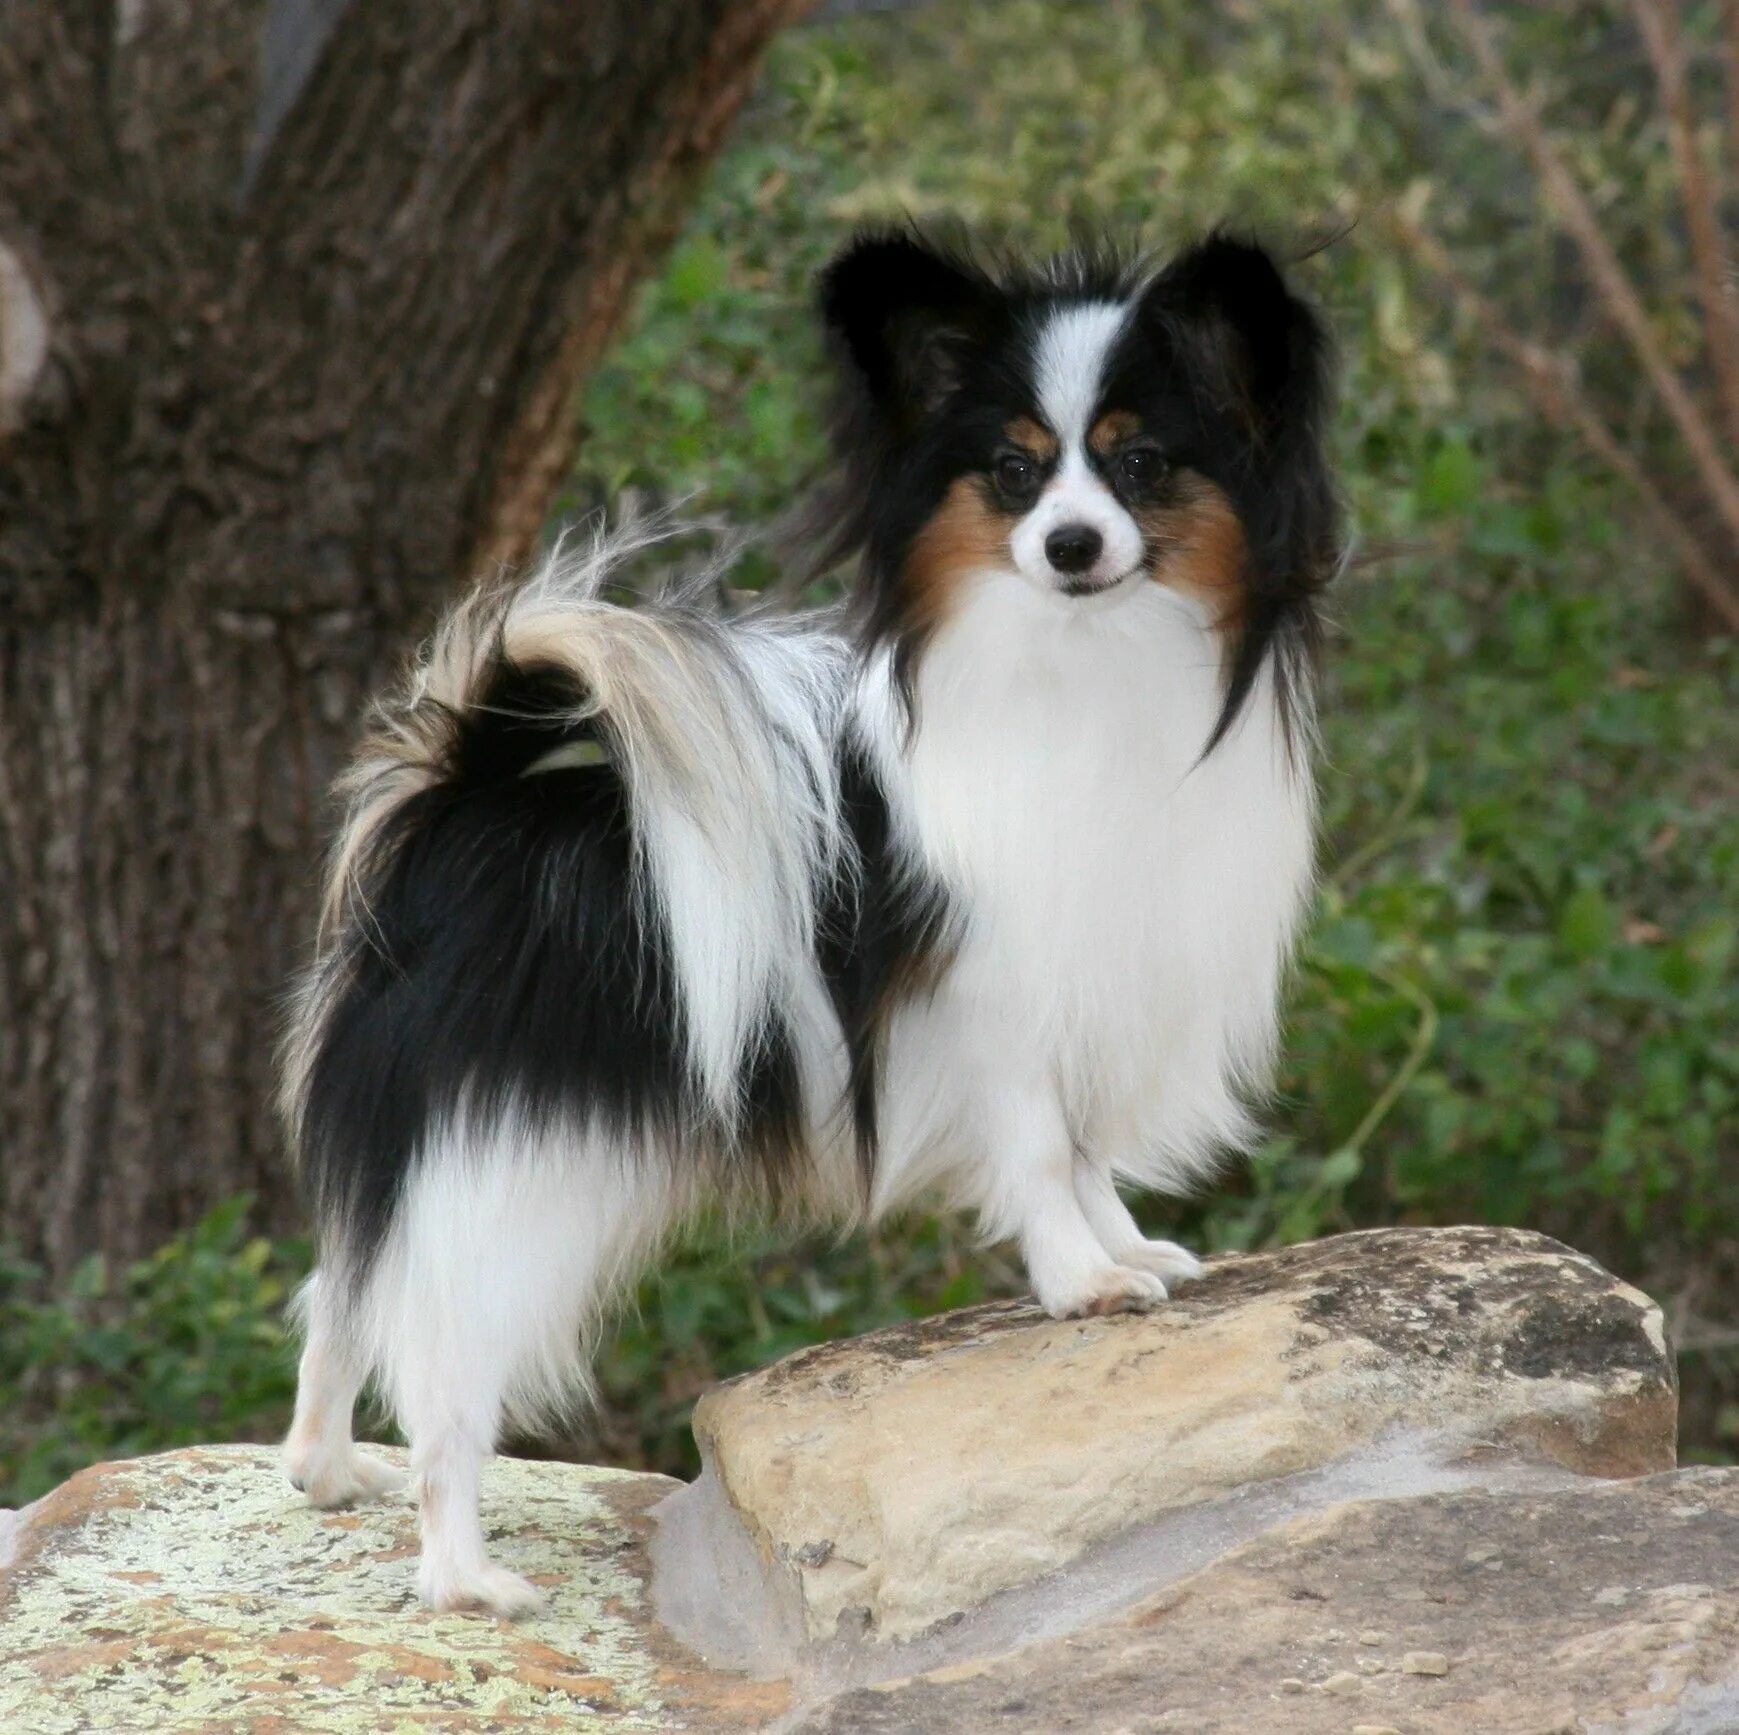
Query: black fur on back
x: 502, y: 955
x: 885, y: 933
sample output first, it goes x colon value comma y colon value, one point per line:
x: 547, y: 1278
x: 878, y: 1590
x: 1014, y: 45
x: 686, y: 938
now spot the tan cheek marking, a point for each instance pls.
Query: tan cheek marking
x: 1111, y: 429
x: 1199, y: 549
x: 1023, y: 431
x: 963, y: 537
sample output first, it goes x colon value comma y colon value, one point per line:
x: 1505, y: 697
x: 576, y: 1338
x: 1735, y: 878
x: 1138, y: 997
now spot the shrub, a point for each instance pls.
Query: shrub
x: 182, y: 1347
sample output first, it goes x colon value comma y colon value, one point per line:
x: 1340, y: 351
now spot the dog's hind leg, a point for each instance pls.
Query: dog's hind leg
x: 320, y: 1456
x: 452, y: 1414
x: 491, y: 1280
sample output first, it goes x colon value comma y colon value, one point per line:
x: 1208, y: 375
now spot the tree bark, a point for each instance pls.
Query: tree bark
x: 294, y: 296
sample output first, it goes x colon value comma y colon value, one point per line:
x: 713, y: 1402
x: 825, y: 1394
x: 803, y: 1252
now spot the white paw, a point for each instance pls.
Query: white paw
x: 1110, y: 1289
x: 491, y: 1589
x: 1170, y: 1263
x: 341, y: 1479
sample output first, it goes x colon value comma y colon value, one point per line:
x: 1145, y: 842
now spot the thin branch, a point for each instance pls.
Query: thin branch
x: 1706, y: 1342
x: 1418, y: 1052
x: 1658, y: 23
x: 1394, y: 827
x: 1549, y: 382
x: 1616, y: 291
x: 1416, y: 40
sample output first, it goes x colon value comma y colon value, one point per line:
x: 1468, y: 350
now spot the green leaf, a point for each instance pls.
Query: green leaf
x: 1587, y: 924
x: 696, y: 273
x: 1452, y: 480
x: 1351, y: 941
x: 1340, y: 1168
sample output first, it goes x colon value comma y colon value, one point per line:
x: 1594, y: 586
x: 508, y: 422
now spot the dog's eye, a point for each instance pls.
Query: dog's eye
x: 1017, y: 474
x: 1141, y: 466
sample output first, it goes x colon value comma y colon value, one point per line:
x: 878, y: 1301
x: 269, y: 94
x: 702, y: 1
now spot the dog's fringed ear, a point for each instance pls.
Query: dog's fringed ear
x: 1262, y: 361
x: 900, y: 312
x: 1261, y: 345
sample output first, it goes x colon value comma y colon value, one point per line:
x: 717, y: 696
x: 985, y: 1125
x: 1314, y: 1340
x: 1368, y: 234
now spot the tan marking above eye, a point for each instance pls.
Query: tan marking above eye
x: 1111, y: 430
x: 1032, y: 437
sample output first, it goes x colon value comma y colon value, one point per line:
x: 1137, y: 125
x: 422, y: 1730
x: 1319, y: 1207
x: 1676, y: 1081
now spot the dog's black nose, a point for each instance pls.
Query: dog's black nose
x: 1073, y: 547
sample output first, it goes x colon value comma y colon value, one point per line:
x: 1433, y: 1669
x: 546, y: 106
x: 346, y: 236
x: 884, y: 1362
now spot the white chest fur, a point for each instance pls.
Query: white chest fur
x: 1127, y: 905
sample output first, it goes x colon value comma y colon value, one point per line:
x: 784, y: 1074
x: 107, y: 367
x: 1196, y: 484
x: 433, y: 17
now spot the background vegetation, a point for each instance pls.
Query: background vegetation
x: 1518, y: 1003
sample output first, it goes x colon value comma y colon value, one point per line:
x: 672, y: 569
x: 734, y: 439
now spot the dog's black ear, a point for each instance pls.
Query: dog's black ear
x: 901, y: 312
x: 1261, y: 348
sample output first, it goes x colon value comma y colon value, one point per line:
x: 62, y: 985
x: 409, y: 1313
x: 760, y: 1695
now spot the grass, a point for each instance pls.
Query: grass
x: 1518, y: 1002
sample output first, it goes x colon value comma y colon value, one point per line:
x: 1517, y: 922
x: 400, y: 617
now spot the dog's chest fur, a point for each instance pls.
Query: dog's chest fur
x: 1124, y: 905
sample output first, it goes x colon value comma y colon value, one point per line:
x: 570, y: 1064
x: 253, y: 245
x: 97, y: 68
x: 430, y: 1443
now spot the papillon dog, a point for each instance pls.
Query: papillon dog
x: 982, y: 890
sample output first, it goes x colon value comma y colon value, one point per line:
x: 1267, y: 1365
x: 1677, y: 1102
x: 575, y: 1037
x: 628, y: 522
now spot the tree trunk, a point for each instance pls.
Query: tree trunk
x: 294, y: 296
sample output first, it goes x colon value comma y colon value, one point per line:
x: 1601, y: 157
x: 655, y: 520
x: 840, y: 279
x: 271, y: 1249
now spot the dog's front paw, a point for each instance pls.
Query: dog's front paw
x: 1170, y: 1263
x: 489, y: 1588
x: 1110, y: 1289
x: 340, y: 1478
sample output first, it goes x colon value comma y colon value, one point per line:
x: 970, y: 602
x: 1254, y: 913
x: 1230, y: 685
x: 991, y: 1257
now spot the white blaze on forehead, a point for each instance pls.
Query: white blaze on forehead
x: 1069, y: 364
x: 1069, y: 361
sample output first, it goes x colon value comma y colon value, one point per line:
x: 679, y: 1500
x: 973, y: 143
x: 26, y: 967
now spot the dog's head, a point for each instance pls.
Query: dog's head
x: 1088, y: 426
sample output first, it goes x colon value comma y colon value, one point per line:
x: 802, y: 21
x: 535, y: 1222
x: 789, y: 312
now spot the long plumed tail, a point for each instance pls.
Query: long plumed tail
x: 721, y: 728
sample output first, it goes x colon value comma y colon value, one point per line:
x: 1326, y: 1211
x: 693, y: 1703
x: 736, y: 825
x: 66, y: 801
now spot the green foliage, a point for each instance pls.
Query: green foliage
x: 1518, y: 1002
x: 185, y: 1346
x: 1549, y: 892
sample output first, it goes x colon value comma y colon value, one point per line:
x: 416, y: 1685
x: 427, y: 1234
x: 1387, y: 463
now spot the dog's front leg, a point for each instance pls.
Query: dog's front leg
x: 1030, y: 1194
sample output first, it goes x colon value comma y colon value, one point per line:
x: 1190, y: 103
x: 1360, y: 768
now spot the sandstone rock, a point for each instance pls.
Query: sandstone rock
x: 1248, y: 1512
x: 894, y: 1481
x: 1531, y: 1651
x: 196, y: 1592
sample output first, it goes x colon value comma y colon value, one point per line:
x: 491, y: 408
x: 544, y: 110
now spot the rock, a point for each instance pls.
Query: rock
x: 1265, y: 1508
x: 892, y: 1482
x: 196, y: 1591
x: 1533, y: 1652
x: 1424, y: 1663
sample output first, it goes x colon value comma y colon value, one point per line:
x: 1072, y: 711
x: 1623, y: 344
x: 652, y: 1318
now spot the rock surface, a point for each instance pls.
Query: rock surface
x: 196, y: 1591
x: 1355, y: 1486
x: 896, y: 1480
x: 1604, y: 1608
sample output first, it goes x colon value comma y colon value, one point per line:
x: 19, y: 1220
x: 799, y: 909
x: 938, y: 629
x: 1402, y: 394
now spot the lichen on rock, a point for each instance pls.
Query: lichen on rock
x: 197, y: 1590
